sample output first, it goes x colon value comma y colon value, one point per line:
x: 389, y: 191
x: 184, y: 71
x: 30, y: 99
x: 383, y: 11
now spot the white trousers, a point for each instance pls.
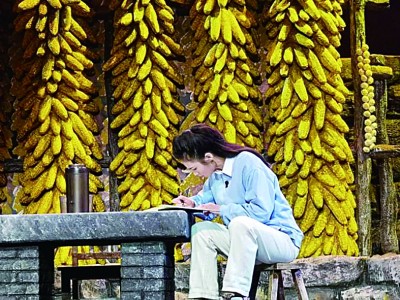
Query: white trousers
x: 245, y: 242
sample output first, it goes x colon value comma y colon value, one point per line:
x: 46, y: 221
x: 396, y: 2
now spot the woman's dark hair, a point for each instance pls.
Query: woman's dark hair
x: 194, y: 143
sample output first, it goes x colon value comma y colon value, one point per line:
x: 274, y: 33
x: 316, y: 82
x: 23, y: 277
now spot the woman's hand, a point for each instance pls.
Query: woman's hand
x: 183, y: 201
x: 210, y: 207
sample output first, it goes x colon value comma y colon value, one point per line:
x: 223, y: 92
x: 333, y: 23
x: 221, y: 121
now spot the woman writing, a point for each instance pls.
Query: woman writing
x: 259, y: 226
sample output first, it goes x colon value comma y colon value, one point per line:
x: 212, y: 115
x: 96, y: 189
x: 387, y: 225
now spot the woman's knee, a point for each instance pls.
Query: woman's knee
x: 203, y: 226
x: 239, y: 223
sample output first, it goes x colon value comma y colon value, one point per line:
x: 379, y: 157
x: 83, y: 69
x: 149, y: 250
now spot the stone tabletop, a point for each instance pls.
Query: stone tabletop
x: 94, y: 228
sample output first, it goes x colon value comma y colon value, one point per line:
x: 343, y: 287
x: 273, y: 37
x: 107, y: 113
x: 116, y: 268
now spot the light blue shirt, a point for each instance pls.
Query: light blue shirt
x: 247, y: 187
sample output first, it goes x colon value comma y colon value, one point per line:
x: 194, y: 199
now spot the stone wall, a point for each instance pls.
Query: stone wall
x: 329, y: 277
x: 19, y: 276
x: 147, y: 270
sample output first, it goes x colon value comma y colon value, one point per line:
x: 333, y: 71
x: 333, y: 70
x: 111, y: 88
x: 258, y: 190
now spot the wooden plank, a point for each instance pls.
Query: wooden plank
x: 363, y: 163
x: 99, y: 255
x: 385, y: 151
x: 280, y: 266
x: 85, y: 268
x: 381, y: 72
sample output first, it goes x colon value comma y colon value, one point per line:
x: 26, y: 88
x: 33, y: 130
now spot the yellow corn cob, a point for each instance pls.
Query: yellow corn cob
x: 321, y: 222
x: 168, y: 183
x: 309, y: 217
x: 316, y: 68
x: 302, y: 187
x: 334, y: 206
x: 291, y: 169
x: 299, y: 206
x: 286, y: 126
x: 60, y: 182
x: 139, y: 198
x: 98, y: 203
x: 126, y: 200
x: 299, y: 156
x: 156, y: 126
x: 42, y: 146
x: 44, y: 126
x: 316, y: 193
x: 45, y: 109
x: 28, y: 4
x: 79, y: 128
x: 305, y: 125
x: 312, y: 246
x: 45, y: 203
x: 155, y: 199
x: 343, y: 238
x: 152, y: 178
x: 150, y: 144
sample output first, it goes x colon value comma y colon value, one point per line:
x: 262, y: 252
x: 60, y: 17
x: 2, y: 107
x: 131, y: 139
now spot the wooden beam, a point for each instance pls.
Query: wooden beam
x: 385, y: 151
x: 387, y: 189
x: 12, y: 166
x: 382, y: 72
x: 112, y: 146
x: 363, y: 164
x: 16, y: 165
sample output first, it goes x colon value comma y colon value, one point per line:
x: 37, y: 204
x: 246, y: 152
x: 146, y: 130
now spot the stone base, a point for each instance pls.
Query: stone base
x: 328, y: 277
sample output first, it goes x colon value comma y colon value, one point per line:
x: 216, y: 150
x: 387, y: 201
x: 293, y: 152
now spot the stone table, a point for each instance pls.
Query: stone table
x: 147, y: 239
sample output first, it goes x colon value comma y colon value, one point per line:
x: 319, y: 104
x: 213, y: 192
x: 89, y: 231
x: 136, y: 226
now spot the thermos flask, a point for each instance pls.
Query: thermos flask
x: 77, y: 178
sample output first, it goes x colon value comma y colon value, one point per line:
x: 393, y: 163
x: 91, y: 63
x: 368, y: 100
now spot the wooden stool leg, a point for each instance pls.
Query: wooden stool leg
x: 65, y: 284
x: 281, y: 291
x: 273, y: 285
x: 75, y: 289
x: 65, y: 287
x: 254, y: 283
x: 299, y: 284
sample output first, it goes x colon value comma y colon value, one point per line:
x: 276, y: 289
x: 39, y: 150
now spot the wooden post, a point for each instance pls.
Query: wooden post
x: 363, y: 162
x: 388, y: 197
x: 112, y: 136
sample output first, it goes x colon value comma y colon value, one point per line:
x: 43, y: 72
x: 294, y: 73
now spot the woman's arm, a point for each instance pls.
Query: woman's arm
x: 259, y: 196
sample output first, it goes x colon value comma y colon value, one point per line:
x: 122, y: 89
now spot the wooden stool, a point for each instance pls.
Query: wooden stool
x: 75, y: 273
x: 275, y: 286
x: 111, y: 271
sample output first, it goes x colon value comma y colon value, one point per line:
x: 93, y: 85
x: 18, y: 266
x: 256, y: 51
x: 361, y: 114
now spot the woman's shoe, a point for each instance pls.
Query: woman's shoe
x: 233, y: 296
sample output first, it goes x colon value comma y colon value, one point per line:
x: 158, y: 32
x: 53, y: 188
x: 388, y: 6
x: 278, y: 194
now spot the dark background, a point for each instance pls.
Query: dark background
x: 382, y: 29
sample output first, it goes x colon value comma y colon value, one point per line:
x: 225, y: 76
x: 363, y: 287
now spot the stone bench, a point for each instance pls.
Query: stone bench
x: 147, y: 239
x: 325, y: 277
